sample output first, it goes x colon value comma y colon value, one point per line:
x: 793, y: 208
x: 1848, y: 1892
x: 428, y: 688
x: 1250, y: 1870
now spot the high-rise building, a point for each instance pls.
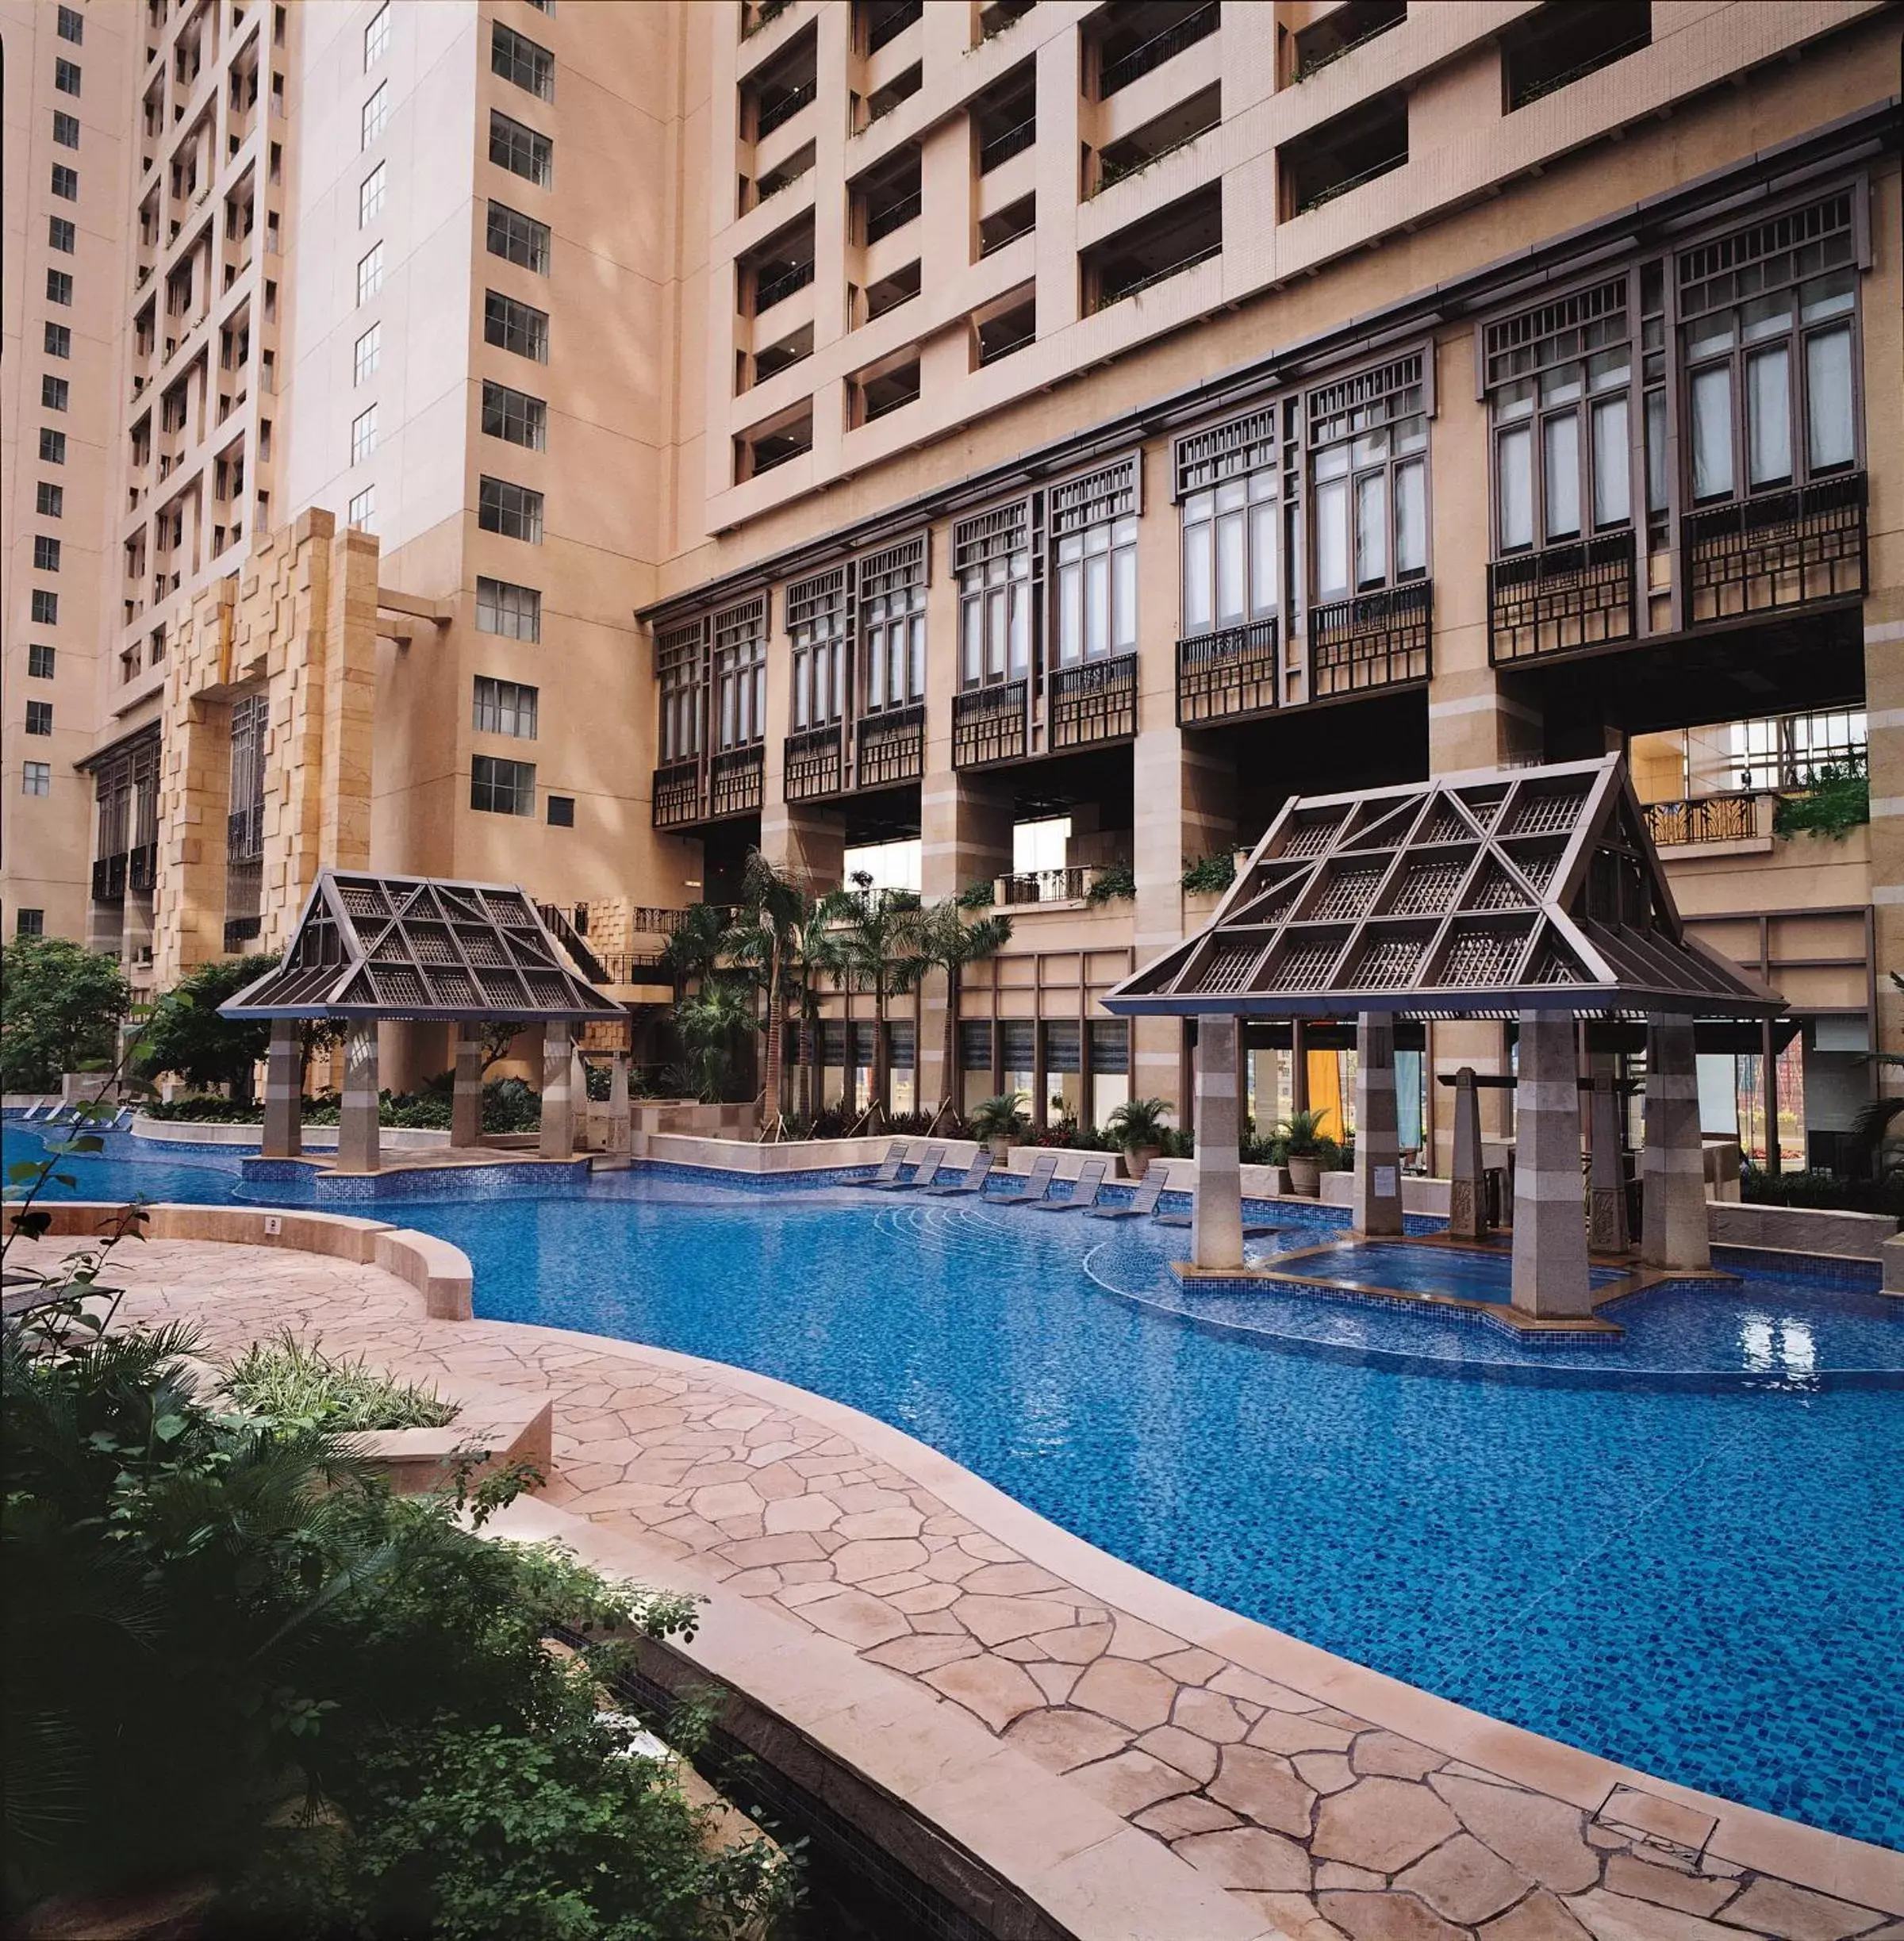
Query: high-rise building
x: 580, y: 481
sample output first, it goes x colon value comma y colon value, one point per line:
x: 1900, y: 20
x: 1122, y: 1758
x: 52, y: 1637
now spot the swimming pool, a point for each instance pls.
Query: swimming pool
x: 1705, y: 1580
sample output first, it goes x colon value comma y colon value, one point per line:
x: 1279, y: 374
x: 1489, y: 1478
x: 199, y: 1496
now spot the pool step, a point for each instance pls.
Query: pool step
x: 610, y: 1162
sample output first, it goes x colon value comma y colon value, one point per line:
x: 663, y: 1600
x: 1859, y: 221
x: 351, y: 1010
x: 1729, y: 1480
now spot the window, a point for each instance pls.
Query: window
x: 544, y: 6
x: 39, y: 717
x: 1368, y: 443
x: 520, y: 60
x: 740, y: 674
x: 1094, y: 543
x: 49, y: 501
x: 514, y: 416
x: 1232, y: 527
x: 1769, y: 349
x: 61, y: 235
x: 991, y: 560
x: 519, y: 239
x: 513, y: 612
x: 46, y: 553
x: 520, y: 150
x: 66, y: 129
x: 363, y: 435
x: 1559, y: 382
x: 369, y: 274
x: 59, y: 340
x: 65, y: 76
x: 370, y: 196
x: 517, y: 327
x: 681, y: 670
x: 367, y: 354
x: 54, y: 392
x: 66, y: 185
x: 46, y: 608
x: 36, y: 778
x: 364, y: 510
x: 562, y: 811
x: 514, y: 511
x: 376, y: 112
x: 502, y: 787
x: 72, y: 26
x: 53, y: 446
x: 892, y: 625
x: 40, y: 663
x: 29, y: 923
x: 505, y: 708
x: 816, y: 627
x: 376, y: 36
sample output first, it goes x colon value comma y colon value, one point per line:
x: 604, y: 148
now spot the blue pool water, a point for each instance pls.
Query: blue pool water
x: 1687, y: 1555
x: 1470, y: 1273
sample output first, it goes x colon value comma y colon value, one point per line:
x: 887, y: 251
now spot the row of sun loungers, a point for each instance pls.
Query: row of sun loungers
x: 1033, y: 1189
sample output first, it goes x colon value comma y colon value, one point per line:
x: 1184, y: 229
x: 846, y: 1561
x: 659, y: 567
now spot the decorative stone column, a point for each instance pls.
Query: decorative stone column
x: 1606, y: 1224
x: 1550, y: 1277
x: 1466, y: 1189
x: 1216, y: 1222
x: 621, y: 1117
x: 558, y: 1139
x: 284, y: 1091
x: 1378, y: 1156
x: 358, y: 1150
x: 466, y: 1107
x: 1674, y: 1229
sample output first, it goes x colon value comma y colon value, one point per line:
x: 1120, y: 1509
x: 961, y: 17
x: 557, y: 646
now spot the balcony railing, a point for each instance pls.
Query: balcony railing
x: 892, y: 216
x: 1116, y: 291
x: 1094, y: 702
x: 892, y: 747
x: 239, y: 931
x: 1001, y: 147
x: 677, y: 794
x: 988, y: 725
x: 1159, y: 48
x: 766, y: 295
x: 1226, y: 675
x: 776, y: 113
x: 1044, y: 886
x: 142, y: 867
x: 1709, y: 818
x: 815, y: 764
x: 1374, y: 640
x: 1563, y: 600
x: 733, y: 781
x: 108, y: 878
x: 1786, y: 549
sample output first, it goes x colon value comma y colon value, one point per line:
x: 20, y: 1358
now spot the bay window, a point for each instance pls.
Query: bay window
x: 740, y: 674
x: 680, y: 664
x: 893, y: 625
x: 1094, y: 545
x: 992, y: 558
x: 1368, y: 443
x: 816, y: 625
x: 1231, y: 553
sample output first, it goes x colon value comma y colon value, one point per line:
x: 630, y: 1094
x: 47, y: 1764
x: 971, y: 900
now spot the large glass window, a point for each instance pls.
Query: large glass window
x: 1094, y: 565
x: 512, y: 510
x: 515, y: 415
x: 893, y: 625
x: 740, y: 674
x: 502, y: 787
x: 514, y: 326
x: 521, y: 150
x: 992, y: 556
x: 505, y: 708
x: 680, y: 664
x: 1368, y: 441
x: 816, y: 626
x: 518, y: 59
x: 513, y: 612
x: 518, y: 239
x: 1232, y: 570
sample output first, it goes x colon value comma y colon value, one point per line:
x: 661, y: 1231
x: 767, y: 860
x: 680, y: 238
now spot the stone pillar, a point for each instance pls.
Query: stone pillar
x: 621, y: 1117
x: 557, y: 1096
x: 1674, y: 1229
x: 1466, y: 1189
x: 1217, y: 1216
x: 357, y: 1127
x: 1550, y: 1277
x: 1298, y: 1066
x: 966, y: 825
x: 1606, y: 1227
x: 284, y: 1091
x: 1378, y: 1157
x: 466, y: 1108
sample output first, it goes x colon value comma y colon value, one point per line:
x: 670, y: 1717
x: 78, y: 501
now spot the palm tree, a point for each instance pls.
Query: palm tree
x: 942, y: 940
x: 876, y: 940
x: 709, y: 1023
x: 816, y: 951
x: 776, y: 907
x: 693, y: 947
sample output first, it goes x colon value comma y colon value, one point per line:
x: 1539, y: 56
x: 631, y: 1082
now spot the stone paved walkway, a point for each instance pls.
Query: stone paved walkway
x: 1323, y: 1822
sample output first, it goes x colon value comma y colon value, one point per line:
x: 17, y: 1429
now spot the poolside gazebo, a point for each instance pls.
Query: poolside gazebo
x: 371, y: 949
x: 1532, y: 895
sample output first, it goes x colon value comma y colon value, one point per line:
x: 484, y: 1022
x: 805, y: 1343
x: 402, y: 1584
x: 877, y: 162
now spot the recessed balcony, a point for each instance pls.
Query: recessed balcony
x: 1135, y: 40
x: 1778, y: 550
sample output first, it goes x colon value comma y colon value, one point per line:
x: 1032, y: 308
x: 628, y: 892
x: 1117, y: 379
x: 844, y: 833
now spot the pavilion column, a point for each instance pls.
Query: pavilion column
x: 1467, y: 1190
x: 466, y: 1106
x: 1606, y: 1224
x: 1217, y: 1216
x: 284, y: 1091
x: 1550, y: 1277
x: 621, y: 1117
x: 558, y: 1139
x: 357, y: 1126
x: 1378, y: 1156
x: 1674, y: 1221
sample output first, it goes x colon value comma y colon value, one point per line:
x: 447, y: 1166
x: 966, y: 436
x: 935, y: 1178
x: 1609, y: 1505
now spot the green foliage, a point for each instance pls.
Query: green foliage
x: 1139, y: 1121
x: 1818, y: 1187
x: 711, y: 1024
x: 1115, y: 883
x: 294, y: 1381
x: 1211, y: 872
x: 1302, y: 1135
x: 508, y: 1106
x: 187, y: 1036
x: 1836, y: 801
x: 977, y: 896
x: 1001, y: 1117
x: 60, y: 1007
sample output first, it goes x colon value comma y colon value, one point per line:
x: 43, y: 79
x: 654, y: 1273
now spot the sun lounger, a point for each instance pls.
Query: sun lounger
x: 922, y: 1175
x: 1037, y: 1182
x: 1150, y: 1189
x: 1083, y: 1190
x: 889, y: 1171
x: 973, y: 1180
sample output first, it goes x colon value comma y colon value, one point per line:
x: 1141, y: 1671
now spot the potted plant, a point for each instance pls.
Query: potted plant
x: 1304, y: 1144
x: 1002, y: 1121
x: 1137, y: 1125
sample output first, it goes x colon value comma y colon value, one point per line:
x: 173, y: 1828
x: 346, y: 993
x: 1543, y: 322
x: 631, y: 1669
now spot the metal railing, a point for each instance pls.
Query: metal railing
x: 1226, y: 675
x: 764, y: 15
x: 1001, y: 147
x: 1374, y: 640
x: 1109, y: 294
x: 142, y: 867
x: 677, y: 793
x: 1707, y: 818
x: 572, y: 940
x: 1782, y: 549
x: 108, y: 878
x: 990, y: 354
x: 892, y: 747
x: 1562, y: 600
x: 894, y: 22
x: 777, y: 113
x: 766, y: 295
x: 1328, y: 192
x: 1044, y: 886
x: 814, y: 764
x: 882, y: 222
x: 735, y: 778
x: 1094, y: 701
x: 1159, y: 48
x: 988, y: 724
x: 244, y: 834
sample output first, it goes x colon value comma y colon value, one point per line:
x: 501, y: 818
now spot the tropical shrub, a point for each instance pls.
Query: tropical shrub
x: 1001, y: 1117
x: 977, y: 896
x: 1818, y: 1186
x: 1836, y: 800
x: 1302, y: 1135
x: 60, y: 1007
x: 292, y: 1380
x: 1115, y: 883
x: 1139, y: 1121
x: 1211, y: 872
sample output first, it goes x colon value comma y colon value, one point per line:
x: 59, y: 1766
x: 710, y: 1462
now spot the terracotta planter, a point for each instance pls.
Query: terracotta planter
x: 1001, y: 1150
x: 1305, y: 1175
x: 1137, y: 1158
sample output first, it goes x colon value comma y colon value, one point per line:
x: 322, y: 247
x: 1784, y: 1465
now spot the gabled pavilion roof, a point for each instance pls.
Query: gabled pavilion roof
x: 1477, y: 895
x: 378, y: 946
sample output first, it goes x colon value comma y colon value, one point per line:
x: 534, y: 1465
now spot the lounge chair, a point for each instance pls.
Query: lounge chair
x: 973, y: 1179
x: 923, y: 1174
x: 1037, y: 1183
x: 1150, y: 1190
x: 1083, y: 1190
x: 889, y: 1171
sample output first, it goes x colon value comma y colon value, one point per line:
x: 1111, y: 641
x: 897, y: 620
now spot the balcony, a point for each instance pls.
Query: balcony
x: 1705, y: 820
x: 780, y: 285
x: 142, y: 867
x: 1784, y: 550
x: 1044, y: 886
x: 988, y: 725
x: 108, y: 878
x: 1229, y: 676
x: 1161, y: 245
x: 1095, y: 702
x: 892, y: 748
x: 815, y: 764
x: 1121, y: 61
x: 734, y: 782
x: 1374, y: 640
x: 677, y: 798
x: 1563, y: 600
x: 779, y: 107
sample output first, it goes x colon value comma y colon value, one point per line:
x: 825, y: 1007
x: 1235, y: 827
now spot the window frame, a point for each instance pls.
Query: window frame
x: 890, y: 620
x: 499, y: 706
x: 363, y: 435
x: 52, y: 446
x: 376, y: 36
x: 1236, y: 477
x: 46, y: 553
x: 369, y: 195
x: 503, y: 406
x: 681, y: 682
x: 67, y: 76
x: 520, y: 143
x: 64, y: 182
x: 534, y: 239
x: 41, y: 660
x: 55, y: 392
x: 49, y: 499
x: 502, y: 780
x: 489, y: 599
x: 39, y: 718
x: 523, y: 63
x: 997, y: 564
x: 57, y: 341
x: 70, y: 24
x: 1339, y: 391
x: 364, y: 362
x: 501, y: 499
x: 65, y: 129
x: 374, y: 117
x: 505, y: 318
x: 62, y: 234
x: 1091, y: 563
x: 45, y: 607
x: 361, y: 511
x: 738, y: 669
x: 36, y: 778
x: 370, y: 273
x: 817, y: 612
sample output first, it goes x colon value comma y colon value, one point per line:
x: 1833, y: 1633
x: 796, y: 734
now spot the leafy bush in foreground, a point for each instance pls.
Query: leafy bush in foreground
x: 294, y: 1381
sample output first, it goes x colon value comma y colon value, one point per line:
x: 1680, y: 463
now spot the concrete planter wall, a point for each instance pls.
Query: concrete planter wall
x: 316, y: 1138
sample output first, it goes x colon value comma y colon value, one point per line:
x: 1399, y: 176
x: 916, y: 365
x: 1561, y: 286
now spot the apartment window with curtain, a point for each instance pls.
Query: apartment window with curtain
x: 1368, y: 446
x: 53, y: 446
x: 513, y: 612
x: 61, y: 234
x: 505, y: 708
x: 39, y: 717
x: 1229, y: 494
x: 65, y: 76
x: 681, y: 669
x: 54, y: 393
x: 36, y: 778
x: 893, y: 625
x: 991, y: 559
x: 518, y: 239
x: 46, y: 553
x: 1768, y: 353
x: 45, y: 608
x: 521, y: 150
x: 740, y: 674
x: 1559, y: 382
x: 1094, y: 564
x: 58, y: 283
x: 816, y: 627
x: 514, y: 511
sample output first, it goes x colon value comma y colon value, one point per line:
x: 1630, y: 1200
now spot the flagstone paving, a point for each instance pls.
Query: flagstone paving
x: 1326, y: 1824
